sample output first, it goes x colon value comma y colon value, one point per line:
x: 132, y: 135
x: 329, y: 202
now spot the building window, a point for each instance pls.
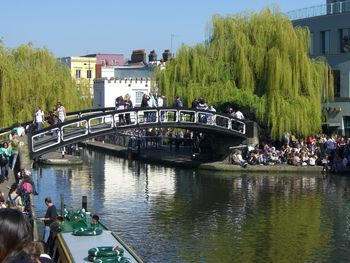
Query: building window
x: 336, y: 78
x: 325, y: 42
x: 345, y: 40
x: 78, y: 73
x: 138, y: 97
x: 311, y: 43
x: 114, y: 62
x: 103, y: 62
x: 100, y: 102
x: 347, y: 125
x: 88, y: 73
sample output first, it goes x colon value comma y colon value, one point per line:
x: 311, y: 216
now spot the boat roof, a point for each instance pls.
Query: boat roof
x: 78, y: 246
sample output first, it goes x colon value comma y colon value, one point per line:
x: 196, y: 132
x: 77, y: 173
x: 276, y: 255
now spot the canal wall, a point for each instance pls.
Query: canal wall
x: 184, y: 159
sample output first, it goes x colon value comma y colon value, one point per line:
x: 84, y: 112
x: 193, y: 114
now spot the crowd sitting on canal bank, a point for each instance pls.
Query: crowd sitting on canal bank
x: 331, y: 152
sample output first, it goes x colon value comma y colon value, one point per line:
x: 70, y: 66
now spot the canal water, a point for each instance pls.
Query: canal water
x: 180, y: 215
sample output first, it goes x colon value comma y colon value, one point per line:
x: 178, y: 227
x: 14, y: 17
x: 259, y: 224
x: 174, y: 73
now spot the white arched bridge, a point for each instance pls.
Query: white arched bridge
x: 91, y: 123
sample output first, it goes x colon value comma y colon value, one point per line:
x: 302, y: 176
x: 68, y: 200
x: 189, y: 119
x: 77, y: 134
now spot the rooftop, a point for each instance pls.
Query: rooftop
x: 133, y: 72
x: 320, y: 10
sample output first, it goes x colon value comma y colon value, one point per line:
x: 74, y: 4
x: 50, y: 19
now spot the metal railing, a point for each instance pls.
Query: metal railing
x: 105, y: 121
x: 4, y: 132
x: 320, y: 10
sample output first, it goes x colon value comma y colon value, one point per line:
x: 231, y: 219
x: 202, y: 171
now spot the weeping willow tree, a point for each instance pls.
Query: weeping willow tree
x: 258, y: 61
x: 32, y: 77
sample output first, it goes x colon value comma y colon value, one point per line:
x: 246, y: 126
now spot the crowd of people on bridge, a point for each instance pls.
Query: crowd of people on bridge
x: 152, y: 100
x: 56, y: 115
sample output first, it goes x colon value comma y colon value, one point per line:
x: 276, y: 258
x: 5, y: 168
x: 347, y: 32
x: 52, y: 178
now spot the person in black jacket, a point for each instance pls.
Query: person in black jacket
x: 50, y: 217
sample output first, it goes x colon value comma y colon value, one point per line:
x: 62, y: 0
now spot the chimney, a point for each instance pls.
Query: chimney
x: 167, y: 55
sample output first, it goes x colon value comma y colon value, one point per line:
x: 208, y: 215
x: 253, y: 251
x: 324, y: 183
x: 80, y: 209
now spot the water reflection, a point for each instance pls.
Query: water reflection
x: 175, y: 215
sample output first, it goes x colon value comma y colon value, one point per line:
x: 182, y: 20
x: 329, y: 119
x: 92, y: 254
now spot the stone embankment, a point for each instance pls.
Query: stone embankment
x: 56, y: 158
x: 183, y: 158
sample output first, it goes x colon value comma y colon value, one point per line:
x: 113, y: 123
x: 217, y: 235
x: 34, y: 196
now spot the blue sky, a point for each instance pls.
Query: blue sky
x: 77, y: 27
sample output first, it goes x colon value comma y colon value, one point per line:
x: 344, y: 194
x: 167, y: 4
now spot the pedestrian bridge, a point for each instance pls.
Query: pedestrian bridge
x: 91, y: 123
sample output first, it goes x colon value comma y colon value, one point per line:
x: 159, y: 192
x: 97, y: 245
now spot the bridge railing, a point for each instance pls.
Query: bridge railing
x: 337, y: 7
x: 92, y: 124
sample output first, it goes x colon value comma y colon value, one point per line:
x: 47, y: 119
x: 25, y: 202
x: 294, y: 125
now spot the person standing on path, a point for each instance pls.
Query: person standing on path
x: 5, y: 154
x: 50, y: 217
x: 61, y: 113
x: 15, y: 149
x: 39, y: 118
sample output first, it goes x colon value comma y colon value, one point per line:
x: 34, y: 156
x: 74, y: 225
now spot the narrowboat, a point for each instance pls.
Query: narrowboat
x: 80, y: 239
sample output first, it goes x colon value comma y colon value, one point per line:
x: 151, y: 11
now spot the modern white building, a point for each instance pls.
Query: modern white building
x: 121, y: 80
x: 329, y: 26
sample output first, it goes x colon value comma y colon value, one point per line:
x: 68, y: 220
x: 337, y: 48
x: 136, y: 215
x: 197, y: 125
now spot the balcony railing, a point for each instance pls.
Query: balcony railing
x: 320, y: 10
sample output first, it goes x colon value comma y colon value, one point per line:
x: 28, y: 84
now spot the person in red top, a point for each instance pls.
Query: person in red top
x: 309, y: 139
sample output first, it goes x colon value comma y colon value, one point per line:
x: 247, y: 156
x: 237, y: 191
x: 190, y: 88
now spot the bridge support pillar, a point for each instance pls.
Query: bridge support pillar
x: 217, y: 147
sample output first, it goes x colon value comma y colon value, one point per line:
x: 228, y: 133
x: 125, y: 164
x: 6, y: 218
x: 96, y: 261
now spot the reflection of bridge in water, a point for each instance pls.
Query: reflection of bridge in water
x: 88, y: 124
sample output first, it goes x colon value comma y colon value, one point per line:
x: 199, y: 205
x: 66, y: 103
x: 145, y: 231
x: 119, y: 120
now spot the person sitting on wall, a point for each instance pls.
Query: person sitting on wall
x: 238, y: 159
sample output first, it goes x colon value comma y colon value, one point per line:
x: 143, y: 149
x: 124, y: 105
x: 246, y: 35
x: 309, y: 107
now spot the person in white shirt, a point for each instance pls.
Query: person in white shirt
x: 61, y: 112
x: 39, y: 117
x: 239, y: 115
x: 160, y: 101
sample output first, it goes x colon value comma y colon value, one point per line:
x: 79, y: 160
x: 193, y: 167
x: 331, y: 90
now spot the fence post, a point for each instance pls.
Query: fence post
x: 84, y: 202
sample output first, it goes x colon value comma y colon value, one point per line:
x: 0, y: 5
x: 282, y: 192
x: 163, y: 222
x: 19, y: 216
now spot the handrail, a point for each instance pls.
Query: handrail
x: 320, y: 10
x: 7, y: 130
x: 109, y: 120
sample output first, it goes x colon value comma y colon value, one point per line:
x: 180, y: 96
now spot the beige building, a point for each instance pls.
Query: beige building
x: 82, y: 69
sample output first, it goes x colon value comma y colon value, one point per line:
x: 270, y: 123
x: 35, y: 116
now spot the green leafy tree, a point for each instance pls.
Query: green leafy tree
x: 32, y: 77
x: 258, y: 61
